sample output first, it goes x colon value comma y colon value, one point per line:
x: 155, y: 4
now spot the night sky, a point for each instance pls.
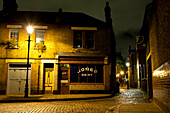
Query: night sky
x: 127, y: 15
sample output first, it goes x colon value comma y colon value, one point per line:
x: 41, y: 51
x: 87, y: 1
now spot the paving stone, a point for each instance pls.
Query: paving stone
x: 128, y: 97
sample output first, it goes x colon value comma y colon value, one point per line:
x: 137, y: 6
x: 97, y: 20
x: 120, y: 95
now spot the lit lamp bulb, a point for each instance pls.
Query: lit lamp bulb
x: 30, y: 30
x: 127, y: 64
x: 121, y: 72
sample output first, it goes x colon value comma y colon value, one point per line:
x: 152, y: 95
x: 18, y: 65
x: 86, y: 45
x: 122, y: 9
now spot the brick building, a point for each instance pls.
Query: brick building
x: 132, y: 68
x: 69, y: 52
x: 137, y: 69
x: 155, y: 30
x: 141, y: 49
x: 159, y: 40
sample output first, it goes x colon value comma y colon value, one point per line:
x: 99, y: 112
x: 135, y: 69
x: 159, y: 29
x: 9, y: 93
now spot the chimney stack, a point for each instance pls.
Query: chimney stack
x: 10, y: 6
x: 60, y: 14
x: 108, y: 18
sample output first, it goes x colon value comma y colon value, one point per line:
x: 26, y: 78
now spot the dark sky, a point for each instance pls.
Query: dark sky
x: 127, y: 15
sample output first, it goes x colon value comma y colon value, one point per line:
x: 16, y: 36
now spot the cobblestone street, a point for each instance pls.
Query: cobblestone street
x: 86, y: 106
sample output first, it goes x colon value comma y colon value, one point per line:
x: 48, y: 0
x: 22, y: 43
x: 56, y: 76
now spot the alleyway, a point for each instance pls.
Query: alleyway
x: 77, y: 106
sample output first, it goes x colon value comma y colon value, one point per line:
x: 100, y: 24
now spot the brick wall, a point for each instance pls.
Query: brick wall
x: 133, y: 70
x: 159, y: 33
x: 160, y: 51
x: 3, y: 76
x: 58, y: 38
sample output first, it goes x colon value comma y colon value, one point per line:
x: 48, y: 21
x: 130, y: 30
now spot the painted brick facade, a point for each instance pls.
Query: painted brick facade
x: 58, y: 39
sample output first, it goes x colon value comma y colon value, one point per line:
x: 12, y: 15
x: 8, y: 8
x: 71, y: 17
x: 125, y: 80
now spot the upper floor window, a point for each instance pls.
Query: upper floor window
x: 89, y: 39
x: 78, y: 39
x: 83, y: 39
x: 14, y: 34
x: 40, y: 36
x: 13, y: 38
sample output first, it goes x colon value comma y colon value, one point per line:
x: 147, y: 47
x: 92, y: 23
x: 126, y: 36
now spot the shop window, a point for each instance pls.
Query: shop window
x: 86, y: 74
x: 83, y: 39
x: 64, y: 65
x: 40, y: 36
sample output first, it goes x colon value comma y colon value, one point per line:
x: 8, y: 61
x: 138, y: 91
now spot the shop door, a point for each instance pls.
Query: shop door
x: 49, y: 77
x: 17, y: 80
x: 64, y: 84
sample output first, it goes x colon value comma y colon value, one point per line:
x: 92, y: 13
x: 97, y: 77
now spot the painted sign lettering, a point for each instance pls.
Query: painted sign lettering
x: 85, y: 70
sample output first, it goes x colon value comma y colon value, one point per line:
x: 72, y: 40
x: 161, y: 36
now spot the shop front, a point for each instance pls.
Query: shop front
x: 81, y: 73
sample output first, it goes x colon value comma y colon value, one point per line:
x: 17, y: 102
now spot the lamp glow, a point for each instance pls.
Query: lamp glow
x: 30, y: 30
x: 121, y: 72
x: 117, y: 75
x: 127, y: 64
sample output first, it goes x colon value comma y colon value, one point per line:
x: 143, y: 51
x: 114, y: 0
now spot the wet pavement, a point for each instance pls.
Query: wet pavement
x: 104, y: 105
x: 134, y: 101
x: 132, y: 96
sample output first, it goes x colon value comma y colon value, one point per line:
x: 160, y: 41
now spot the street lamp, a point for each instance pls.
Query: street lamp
x: 128, y: 64
x: 29, y: 31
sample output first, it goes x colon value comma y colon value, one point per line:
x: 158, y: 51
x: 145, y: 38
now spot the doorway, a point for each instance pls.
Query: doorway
x: 64, y: 84
x: 17, y: 79
x: 48, y: 78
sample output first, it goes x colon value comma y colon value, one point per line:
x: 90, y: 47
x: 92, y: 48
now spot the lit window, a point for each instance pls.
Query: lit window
x: 13, y: 38
x: 40, y: 36
x: 14, y: 33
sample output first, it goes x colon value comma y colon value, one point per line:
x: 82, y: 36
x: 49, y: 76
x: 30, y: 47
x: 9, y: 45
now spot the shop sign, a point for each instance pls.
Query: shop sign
x: 140, y: 40
x: 87, y: 71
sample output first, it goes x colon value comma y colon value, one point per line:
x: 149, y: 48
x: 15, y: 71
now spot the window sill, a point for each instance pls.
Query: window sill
x: 86, y: 83
x: 84, y: 49
x: 12, y: 47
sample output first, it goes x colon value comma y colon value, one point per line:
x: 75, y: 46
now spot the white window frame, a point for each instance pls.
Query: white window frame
x: 15, y: 31
x: 14, y: 34
x: 42, y: 38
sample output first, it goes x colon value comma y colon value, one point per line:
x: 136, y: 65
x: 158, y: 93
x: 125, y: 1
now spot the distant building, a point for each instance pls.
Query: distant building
x: 141, y: 48
x: 141, y: 69
x: 69, y: 52
x: 121, y: 70
x: 132, y: 74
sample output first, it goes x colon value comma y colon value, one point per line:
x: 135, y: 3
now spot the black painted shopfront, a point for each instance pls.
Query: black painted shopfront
x: 85, y: 73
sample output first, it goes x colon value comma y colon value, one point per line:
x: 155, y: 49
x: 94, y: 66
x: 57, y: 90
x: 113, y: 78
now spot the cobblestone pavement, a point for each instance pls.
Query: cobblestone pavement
x: 77, y: 106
